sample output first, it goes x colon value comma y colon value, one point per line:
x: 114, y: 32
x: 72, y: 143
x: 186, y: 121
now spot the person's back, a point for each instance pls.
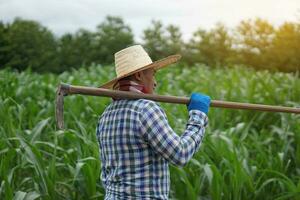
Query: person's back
x: 136, y: 145
x: 130, y: 168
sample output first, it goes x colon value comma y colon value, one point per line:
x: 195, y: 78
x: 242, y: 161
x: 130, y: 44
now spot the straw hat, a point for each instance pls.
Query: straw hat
x: 134, y: 59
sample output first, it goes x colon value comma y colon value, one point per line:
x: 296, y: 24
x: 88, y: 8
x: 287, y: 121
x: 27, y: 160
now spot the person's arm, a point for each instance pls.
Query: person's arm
x: 163, y: 140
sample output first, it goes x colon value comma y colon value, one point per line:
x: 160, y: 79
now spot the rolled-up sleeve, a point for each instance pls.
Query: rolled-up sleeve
x: 157, y: 132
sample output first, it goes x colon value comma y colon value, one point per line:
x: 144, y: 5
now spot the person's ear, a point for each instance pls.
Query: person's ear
x: 138, y: 76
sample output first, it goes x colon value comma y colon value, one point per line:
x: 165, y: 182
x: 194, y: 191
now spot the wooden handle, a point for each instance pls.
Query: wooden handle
x: 72, y: 89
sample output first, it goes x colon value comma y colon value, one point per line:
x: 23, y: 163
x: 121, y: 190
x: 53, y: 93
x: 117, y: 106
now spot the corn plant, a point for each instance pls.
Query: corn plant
x: 244, y: 155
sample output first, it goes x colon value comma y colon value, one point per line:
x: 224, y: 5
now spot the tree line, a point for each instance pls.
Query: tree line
x: 254, y: 43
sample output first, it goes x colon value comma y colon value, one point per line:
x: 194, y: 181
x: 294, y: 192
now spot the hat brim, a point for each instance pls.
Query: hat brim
x: 156, y: 65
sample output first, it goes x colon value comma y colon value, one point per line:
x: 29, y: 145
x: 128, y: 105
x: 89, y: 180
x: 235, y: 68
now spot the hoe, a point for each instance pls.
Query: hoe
x: 66, y: 89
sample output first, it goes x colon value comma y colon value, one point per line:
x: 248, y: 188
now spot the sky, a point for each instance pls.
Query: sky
x: 62, y: 16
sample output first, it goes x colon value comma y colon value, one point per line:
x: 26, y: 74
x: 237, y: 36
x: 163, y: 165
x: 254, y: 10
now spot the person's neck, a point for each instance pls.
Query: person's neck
x: 130, y: 85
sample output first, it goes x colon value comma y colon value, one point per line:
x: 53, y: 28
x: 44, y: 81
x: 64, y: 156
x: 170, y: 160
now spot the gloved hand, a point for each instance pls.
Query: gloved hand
x: 199, y: 102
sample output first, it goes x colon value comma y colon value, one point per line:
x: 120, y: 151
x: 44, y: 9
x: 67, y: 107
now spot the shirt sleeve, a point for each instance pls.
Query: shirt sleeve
x: 163, y: 140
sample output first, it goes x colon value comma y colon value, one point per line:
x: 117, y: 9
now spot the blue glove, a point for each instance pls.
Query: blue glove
x: 199, y: 102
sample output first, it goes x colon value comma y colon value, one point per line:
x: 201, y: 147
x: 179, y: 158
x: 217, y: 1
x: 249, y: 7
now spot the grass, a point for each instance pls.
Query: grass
x: 245, y: 154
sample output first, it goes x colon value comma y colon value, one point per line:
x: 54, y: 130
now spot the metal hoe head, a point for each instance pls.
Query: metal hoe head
x: 59, y: 105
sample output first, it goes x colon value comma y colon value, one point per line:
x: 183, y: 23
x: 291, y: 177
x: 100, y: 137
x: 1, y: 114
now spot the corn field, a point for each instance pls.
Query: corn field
x: 245, y: 154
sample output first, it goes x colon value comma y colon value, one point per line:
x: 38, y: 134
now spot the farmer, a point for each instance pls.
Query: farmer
x: 135, y: 139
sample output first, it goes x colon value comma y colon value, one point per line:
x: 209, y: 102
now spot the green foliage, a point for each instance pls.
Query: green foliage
x: 262, y: 46
x: 4, y: 45
x: 213, y: 48
x: 253, y: 43
x: 154, y: 40
x: 285, y: 48
x: 112, y: 35
x: 75, y: 50
x: 27, y: 44
x: 244, y: 155
x: 162, y: 41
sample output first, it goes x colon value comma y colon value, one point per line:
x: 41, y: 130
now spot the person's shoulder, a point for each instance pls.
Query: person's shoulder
x: 144, y: 103
x: 139, y: 105
x: 149, y: 107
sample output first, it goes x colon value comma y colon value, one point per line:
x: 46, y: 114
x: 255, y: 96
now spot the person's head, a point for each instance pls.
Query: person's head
x: 145, y: 78
x: 135, y: 60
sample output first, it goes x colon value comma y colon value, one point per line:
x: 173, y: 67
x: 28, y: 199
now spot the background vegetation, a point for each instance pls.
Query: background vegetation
x: 245, y: 154
x: 254, y: 43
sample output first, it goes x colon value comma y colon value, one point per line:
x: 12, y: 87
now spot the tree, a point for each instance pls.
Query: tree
x: 173, y: 38
x: 162, y: 41
x: 30, y: 45
x: 154, y: 41
x: 213, y: 47
x: 285, y: 48
x: 4, y: 45
x: 253, y: 42
x: 112, y: 35
x: 75, y: 50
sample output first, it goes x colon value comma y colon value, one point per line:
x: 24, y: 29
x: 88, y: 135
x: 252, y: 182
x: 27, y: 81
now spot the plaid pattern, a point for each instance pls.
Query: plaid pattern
x: 137, y: 144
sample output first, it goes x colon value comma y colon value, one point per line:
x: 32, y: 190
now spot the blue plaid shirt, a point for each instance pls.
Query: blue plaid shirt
x: 137, y: 144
